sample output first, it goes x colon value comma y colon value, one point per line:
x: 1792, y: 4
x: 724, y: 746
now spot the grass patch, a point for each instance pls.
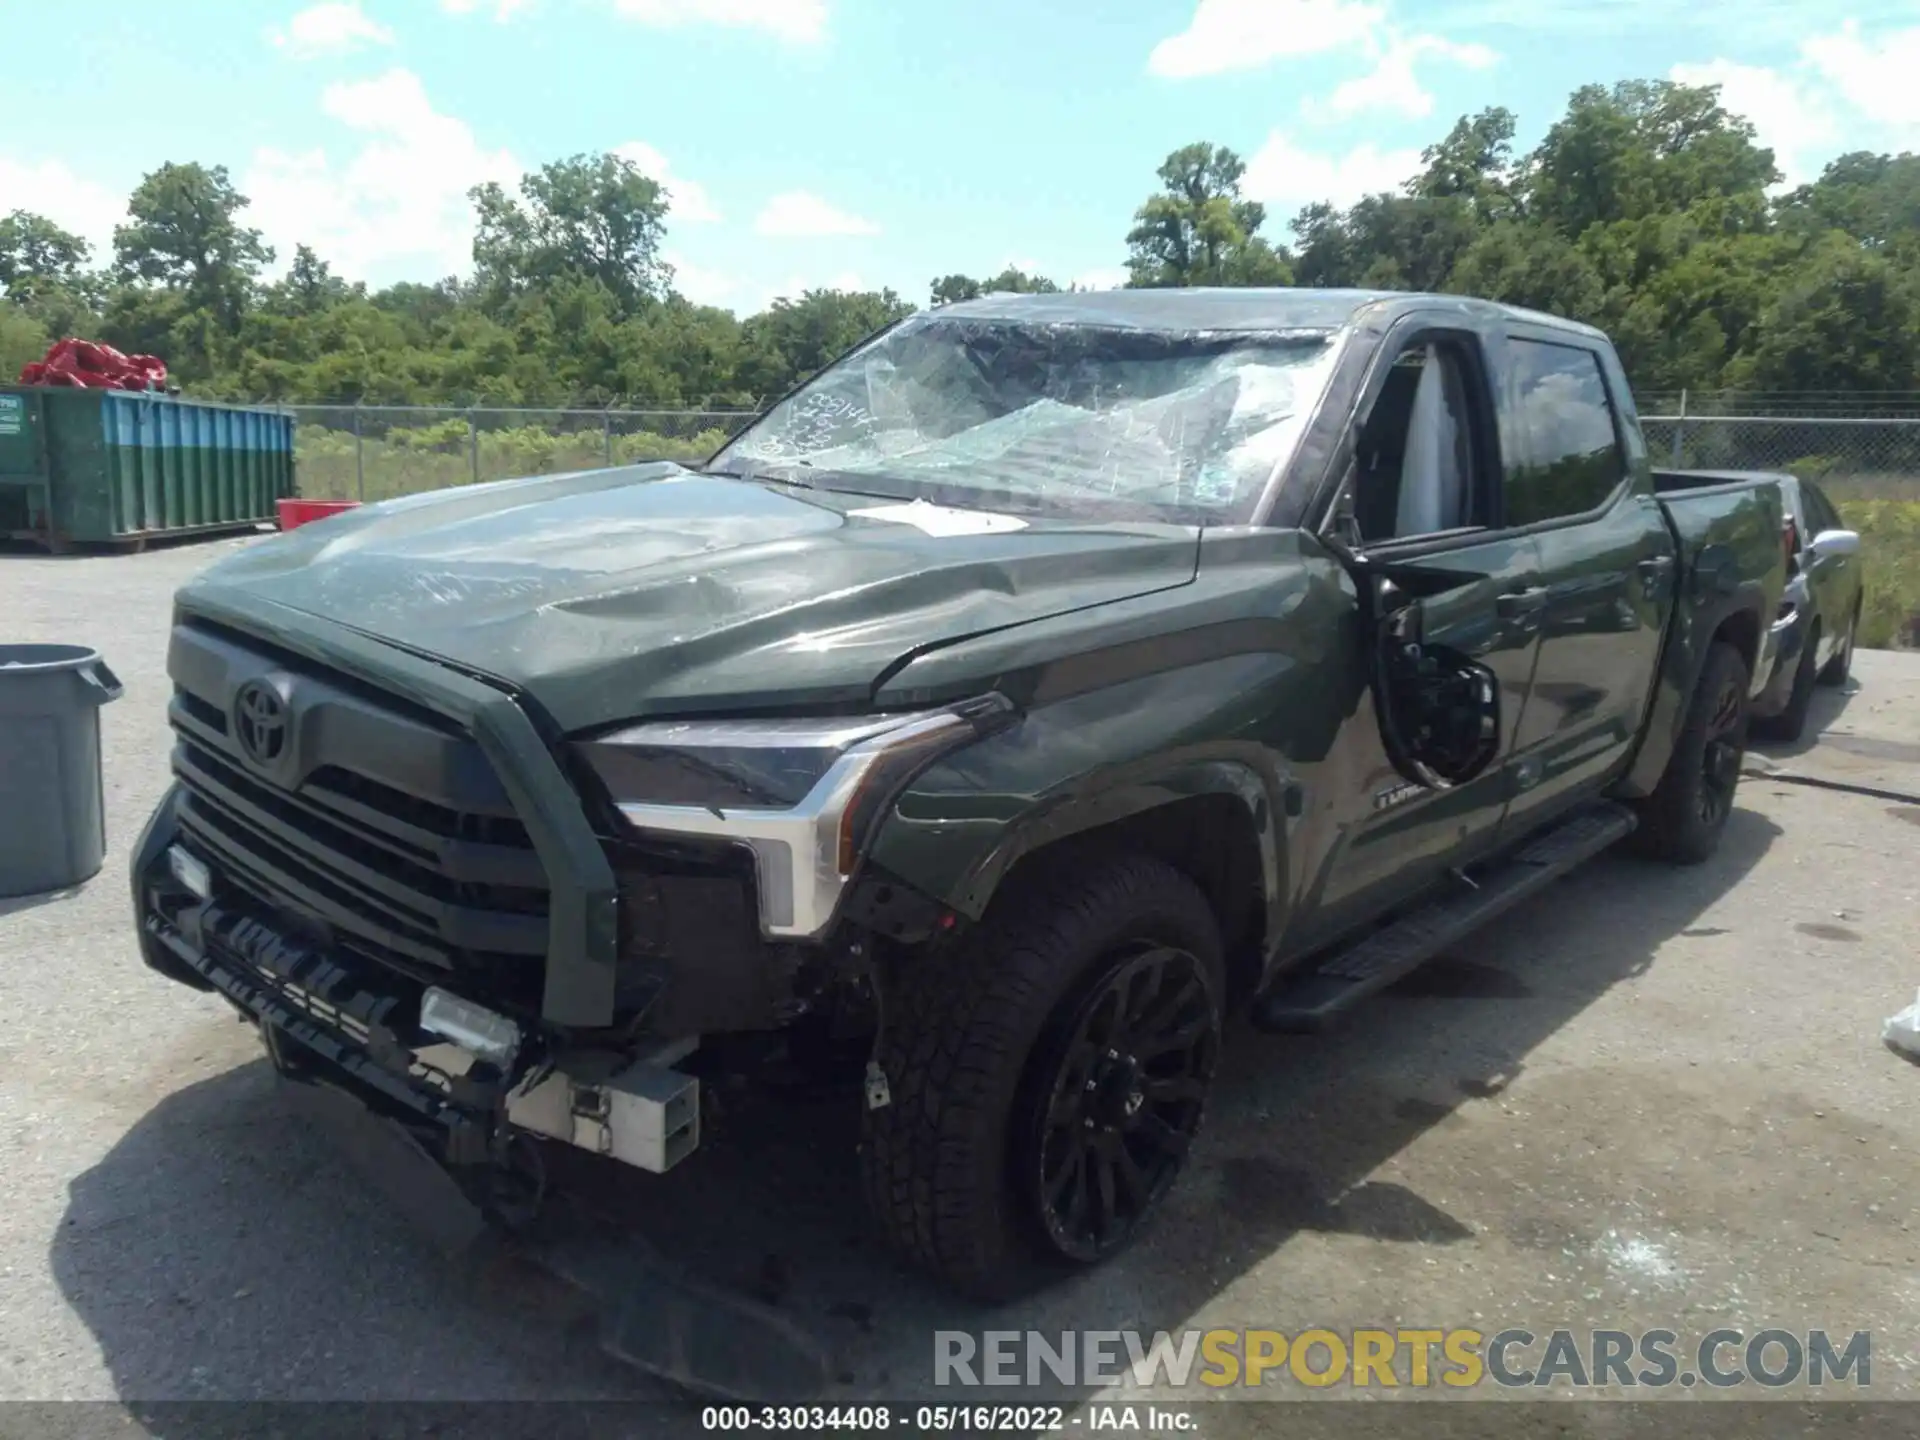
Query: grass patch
x: 1886, y: 512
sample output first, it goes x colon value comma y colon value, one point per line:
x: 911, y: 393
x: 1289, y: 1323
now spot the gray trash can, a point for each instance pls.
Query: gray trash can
x: 53, y: 829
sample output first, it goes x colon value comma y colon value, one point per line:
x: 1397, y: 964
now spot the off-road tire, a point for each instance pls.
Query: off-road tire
x: 963, y: 1038
x: 1836, y: 671
x: 1791, y: 723
x: 1676, y: 825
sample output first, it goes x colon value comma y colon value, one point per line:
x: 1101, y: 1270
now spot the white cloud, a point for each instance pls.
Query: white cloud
x: 797, y: 213
x: 335, y: 28
x: 796, y: 285
x: 1392, y: 85
x: 397, y: 207
x: 1880, y: 77
x: 1106, y: 278
x: 689, y: 198
x: 502, y: 10
x: 698, y: 283
x: 1848, y: 90
x: 801, y: 22
x: 49, y: 188
x: 1246, y: 34
x: 1286, y: 176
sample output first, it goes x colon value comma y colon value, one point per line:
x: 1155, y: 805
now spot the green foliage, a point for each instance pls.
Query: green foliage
x: 951, y: 289
x: 36, y: 253
x: 588, y: 218
x: 794, y: 338
x: 1198, y: 230
x: 186, y: 235
x: 1643, y: 209
x: 1888, y: 519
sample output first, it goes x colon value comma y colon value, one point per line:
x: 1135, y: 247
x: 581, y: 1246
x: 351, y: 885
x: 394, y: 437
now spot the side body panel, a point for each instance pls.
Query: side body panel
x: 1610, y: 577
x: 1732, y: 569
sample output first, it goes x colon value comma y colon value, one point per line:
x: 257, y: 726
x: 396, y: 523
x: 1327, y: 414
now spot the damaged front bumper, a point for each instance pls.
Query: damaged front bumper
x: 326, y: 1019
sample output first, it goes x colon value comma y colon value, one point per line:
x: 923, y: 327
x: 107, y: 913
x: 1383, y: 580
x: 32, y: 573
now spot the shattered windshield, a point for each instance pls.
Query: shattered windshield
x: 1060, y: 418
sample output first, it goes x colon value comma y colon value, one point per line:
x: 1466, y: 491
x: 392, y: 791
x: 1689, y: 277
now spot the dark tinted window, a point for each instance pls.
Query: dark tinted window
x: 1573, y: 458
x: 1416, y: 458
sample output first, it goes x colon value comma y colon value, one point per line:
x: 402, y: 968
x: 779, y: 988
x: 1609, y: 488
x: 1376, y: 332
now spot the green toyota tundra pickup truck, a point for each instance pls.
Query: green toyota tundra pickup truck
x: 1046, y: 680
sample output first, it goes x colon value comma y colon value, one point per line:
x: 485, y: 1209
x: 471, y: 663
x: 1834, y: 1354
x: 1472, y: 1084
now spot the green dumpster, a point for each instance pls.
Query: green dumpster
x: 121, y: 466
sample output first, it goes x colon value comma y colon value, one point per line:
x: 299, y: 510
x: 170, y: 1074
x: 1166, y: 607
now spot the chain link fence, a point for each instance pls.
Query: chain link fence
x: 369, y: 452
x: 1869, y: 465
x: 1868, y: 457
x: 375, y: 452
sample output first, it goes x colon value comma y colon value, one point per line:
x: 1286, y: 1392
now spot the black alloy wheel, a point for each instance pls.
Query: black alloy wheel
x: 1122, y: 1100
x: 1720, y: 757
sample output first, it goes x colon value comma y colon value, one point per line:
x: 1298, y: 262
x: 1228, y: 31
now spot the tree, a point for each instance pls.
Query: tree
x: 1642, y: 148
x: 951, y: 289
x: 1873, y: 198
x: 1198, y: 230
x: 35, y: 252
x: 185, y: 234
x: 794, y: 339
x: 1473, y: 163
x: 309, y: 287
x: 1384, y: 242
x: 1532, y: 266
x: 588, y: 217
x: 1848, y: 320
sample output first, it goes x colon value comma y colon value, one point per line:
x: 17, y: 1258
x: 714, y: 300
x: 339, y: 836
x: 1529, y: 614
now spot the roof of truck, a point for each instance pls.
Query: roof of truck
x: 1231, y: 309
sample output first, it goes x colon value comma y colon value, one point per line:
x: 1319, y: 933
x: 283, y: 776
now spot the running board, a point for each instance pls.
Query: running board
x: 1305, y: 1002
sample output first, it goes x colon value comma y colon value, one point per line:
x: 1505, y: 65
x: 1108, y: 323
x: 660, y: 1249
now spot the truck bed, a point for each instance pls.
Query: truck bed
x: 1671, y: 482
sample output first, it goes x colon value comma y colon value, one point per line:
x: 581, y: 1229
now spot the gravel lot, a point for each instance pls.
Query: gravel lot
x: 1651, y: 1098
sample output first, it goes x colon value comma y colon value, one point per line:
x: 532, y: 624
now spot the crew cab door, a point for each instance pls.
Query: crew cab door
x: 1441, y: 587
x: 1578, y: 482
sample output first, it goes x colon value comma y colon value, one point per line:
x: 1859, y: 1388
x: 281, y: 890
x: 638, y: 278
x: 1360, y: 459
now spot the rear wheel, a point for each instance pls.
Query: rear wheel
x: 1682, y: 820
x: 1836, y: 670
x: 1045, y: 1082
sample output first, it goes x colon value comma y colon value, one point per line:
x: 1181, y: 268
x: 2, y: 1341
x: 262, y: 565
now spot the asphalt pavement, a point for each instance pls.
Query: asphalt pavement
x: 1650, y: 1097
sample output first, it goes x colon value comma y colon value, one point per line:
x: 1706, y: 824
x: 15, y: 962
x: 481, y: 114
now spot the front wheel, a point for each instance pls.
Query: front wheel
x: 1682, y: 820
x: 1045, y: 1081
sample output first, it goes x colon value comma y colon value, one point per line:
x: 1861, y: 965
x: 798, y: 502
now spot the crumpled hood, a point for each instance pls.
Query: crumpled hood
x: 616, y: 594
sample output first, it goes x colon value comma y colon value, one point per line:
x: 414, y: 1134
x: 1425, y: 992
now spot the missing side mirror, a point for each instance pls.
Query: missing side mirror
x: 1438, y: 708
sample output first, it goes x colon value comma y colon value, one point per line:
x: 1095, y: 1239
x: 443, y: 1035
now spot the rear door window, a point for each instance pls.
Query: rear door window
x: 1573, y: 459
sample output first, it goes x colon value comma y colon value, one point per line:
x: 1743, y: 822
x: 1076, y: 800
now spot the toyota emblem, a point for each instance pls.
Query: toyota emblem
x: 260, y: 722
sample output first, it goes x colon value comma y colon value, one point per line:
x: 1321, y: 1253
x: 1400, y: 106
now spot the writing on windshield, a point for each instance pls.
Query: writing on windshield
x: 1063, y: 416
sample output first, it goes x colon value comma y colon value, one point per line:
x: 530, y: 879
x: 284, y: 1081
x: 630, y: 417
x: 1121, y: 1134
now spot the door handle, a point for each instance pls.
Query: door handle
x: 1656, y: 573
x: 1520, y: 604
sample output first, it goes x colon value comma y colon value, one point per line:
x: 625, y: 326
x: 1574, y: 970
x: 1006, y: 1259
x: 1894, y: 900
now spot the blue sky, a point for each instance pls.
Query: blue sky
x: 866, y: 142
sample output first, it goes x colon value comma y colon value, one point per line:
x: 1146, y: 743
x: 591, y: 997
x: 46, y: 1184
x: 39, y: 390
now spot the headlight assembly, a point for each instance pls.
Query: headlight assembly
x: 803, y: 795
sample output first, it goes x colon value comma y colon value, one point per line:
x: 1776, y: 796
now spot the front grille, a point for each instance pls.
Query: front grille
x: 391, y: 829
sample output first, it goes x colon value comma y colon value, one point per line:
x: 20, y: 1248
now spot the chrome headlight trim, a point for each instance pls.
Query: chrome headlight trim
x: 805, y: 856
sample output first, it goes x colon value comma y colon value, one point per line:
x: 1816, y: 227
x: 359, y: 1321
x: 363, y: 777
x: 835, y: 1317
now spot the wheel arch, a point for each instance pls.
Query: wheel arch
x: 1738, y: 620
x: 1216, y: 820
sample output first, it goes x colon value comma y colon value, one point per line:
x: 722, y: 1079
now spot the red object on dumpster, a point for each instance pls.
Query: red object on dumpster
x: 85, y: 365
x: 295, y: 513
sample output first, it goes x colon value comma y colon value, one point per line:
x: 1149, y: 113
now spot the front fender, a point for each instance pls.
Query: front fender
x: 1098, y: 759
